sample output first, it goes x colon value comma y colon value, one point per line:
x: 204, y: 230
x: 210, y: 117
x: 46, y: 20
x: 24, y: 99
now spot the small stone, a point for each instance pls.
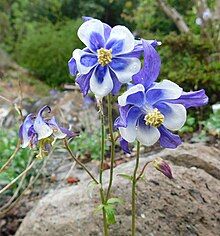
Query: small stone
x: 142, y: 149
x: 193, y: 168
x: 133, y: 154
x: 53, y: 178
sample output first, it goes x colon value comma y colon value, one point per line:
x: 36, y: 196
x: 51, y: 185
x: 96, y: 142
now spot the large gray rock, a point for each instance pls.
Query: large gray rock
x: 189, y: 205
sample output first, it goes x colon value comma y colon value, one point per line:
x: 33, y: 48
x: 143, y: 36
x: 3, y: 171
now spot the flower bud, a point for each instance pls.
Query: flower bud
x: 163, y: 167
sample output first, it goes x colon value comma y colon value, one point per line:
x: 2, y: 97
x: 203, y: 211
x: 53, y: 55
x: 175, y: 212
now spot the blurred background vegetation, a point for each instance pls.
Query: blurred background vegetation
x: 41, y: 35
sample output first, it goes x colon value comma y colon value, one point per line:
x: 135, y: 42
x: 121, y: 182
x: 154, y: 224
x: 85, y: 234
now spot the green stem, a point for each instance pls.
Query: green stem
x: 102, y: 147
x: 134, y: 181
x: 142, y: 171
x: 105, y: 225
x: 110, y: 123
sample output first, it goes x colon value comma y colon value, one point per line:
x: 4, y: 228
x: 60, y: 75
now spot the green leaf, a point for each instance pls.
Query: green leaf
x: 125, y: 176
x: 114, y: 201
x: 110, y: 214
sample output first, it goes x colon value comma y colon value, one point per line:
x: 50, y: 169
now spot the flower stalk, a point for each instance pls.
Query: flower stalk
x: 134, y: 181
x: 142, y: 171
x: 111, y: 133
x: 105, y: 225
x: 102, y: 146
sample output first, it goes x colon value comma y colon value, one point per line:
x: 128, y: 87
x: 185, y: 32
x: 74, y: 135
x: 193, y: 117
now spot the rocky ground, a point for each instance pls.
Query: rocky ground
x: 187, y: 205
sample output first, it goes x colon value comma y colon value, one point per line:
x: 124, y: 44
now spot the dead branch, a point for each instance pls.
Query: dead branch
x: 174, y: 15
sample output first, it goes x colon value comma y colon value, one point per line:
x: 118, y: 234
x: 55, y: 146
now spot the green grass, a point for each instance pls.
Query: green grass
x: 8, y: 144
x: 87, y: 144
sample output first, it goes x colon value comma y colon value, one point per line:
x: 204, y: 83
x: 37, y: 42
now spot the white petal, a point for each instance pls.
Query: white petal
x: 25, y: 140
x: 42, y: 129
x: 59, y: 134
x: 122, y: 99
x: 101, y: 89
x: 147, y: 135
x: 133, y: 67
x: 122, y: 33
x: 169, y: 90
x: 87, y: 28
x: 56, y: 130
x: 176, y: 117
x: 77, y: 54
x: 128, y: 133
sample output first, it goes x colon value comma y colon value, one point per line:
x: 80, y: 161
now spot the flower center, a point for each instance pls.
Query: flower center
x: 104, y: 56
x: 154, y: 118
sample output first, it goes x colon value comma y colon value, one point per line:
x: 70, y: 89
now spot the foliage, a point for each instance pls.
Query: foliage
x: 193, y: 65
x: 190, y: 60
x: 148, y: 19
x: 109, y: 208
x: 87, y: 144
x: 110, y: 11
x: 46, y: 49
x: 212, y: 124
x: 190, y: 125
x: 34, y: 30
x: 7, y: 146
x: 17, y: 17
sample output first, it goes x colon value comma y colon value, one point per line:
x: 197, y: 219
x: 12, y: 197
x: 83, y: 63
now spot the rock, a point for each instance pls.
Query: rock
x: 7, y: 63
x: 189, y: 205
x: 4, y: 111
x: 195, y: 155
x: 67, y: 106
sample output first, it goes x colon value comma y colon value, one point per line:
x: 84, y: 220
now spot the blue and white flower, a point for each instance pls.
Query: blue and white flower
x: 109, y: 59
x: 148, y: 115
x: 150, y: 110
x: 39, y: 131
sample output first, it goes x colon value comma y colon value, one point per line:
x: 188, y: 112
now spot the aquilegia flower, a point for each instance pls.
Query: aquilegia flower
x: 149, y: 110
x: 39, y: 131
x: 109, y: 59
x: 149, y: 115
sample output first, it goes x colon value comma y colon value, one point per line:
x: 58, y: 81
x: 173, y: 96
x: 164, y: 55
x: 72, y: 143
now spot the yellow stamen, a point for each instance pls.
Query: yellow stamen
x: 104, y: 56
x: 154, y: 118
x: 42, y: 147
